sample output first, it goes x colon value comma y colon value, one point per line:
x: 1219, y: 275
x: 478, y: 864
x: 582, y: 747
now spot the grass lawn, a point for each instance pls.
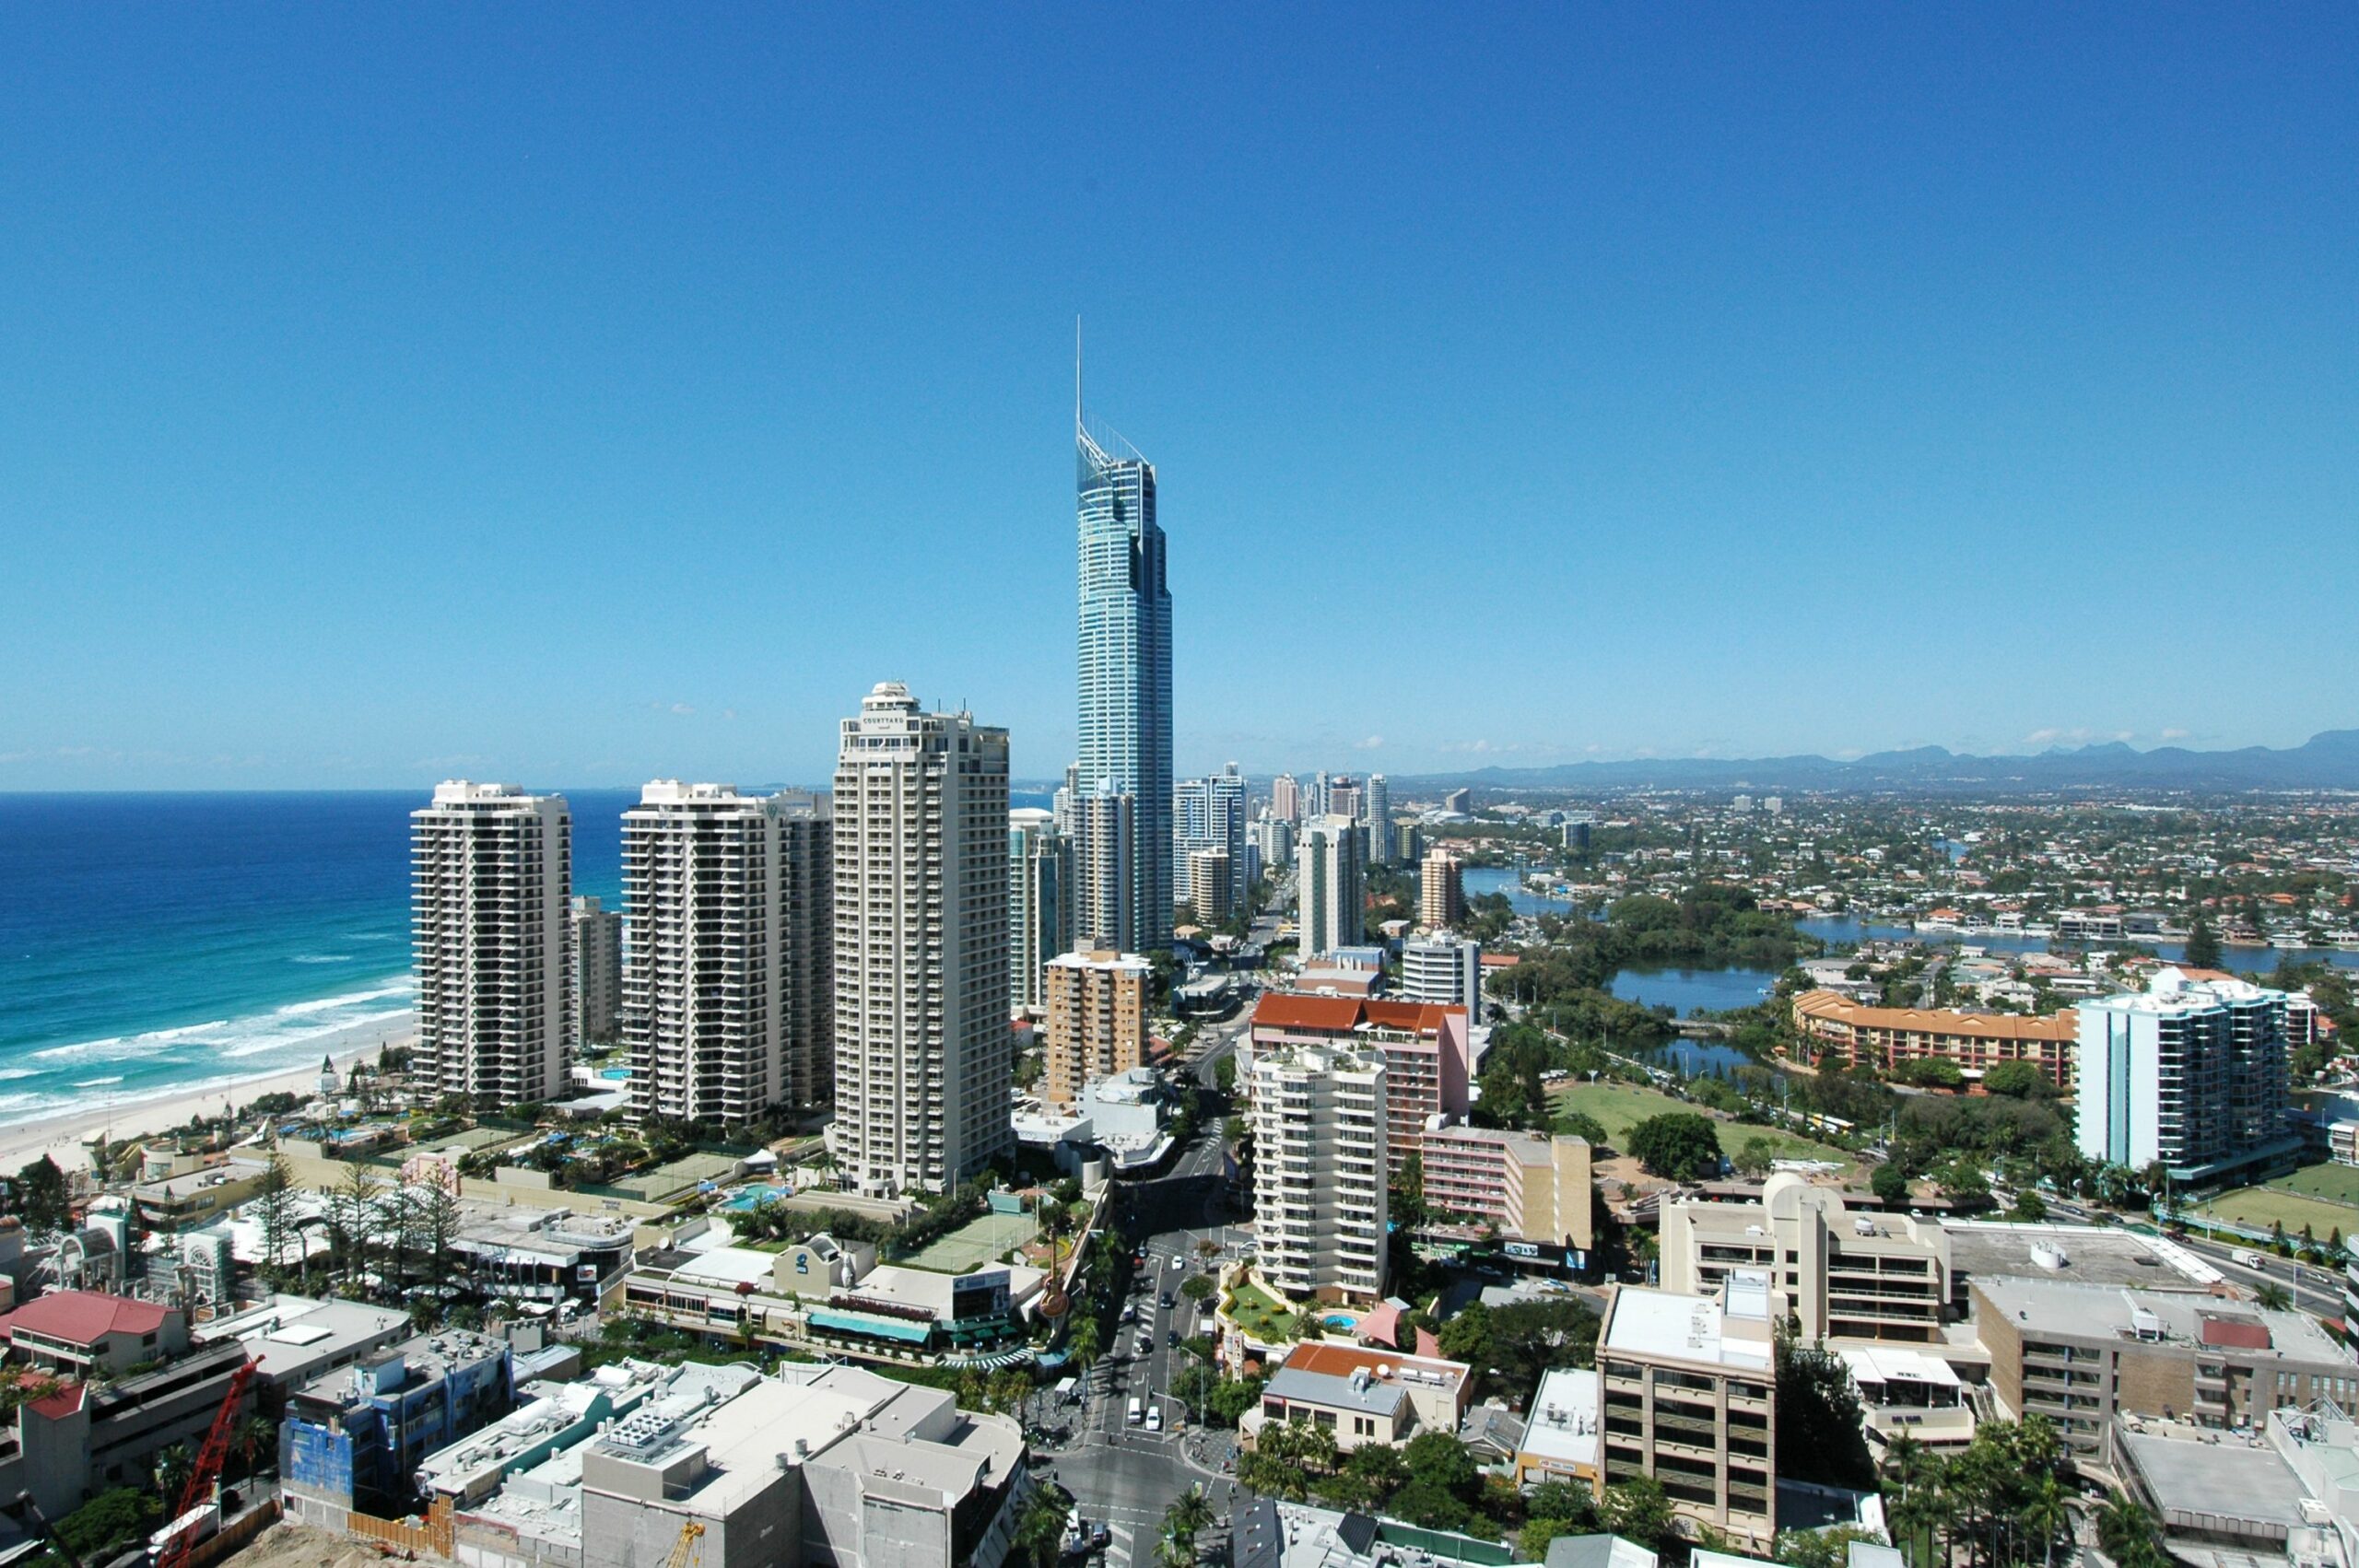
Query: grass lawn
x: 2265, y: 1206
x: 1621, y: 1106
x: 1618, y: 1108
x: 1258, y: 1314
x: 2335, y: 1184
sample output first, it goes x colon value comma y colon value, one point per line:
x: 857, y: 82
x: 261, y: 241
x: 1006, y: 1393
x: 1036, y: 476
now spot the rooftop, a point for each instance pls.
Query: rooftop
x: 2088, y: 1254
x: 84, y: 1317
x: 1564, y: 1424
x: 291, y: 1337
x: 2161, y: 1317
x: 1837, y: 1007
x: 1344, y: 1014
x: 1644, y: 1321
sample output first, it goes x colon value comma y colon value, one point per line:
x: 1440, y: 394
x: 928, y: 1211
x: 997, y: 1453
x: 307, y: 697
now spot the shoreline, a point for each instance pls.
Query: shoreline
x: 59, y: 1134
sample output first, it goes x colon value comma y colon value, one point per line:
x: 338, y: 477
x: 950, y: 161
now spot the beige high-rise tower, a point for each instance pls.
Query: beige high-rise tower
x: 727, y: 953
x: 491, y: 873
x: 925, y: 1058
x: 1097, y: 1019
x: 1441, y: 890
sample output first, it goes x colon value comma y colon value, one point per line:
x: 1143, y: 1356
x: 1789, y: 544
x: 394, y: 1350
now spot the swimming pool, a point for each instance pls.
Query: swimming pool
x: 614, y: 1074
x: 745, y: 1201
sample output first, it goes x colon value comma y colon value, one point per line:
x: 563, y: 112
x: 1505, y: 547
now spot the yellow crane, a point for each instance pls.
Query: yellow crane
x: 685, y: 1550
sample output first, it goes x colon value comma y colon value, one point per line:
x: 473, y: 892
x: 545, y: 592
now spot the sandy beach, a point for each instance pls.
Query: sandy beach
x: 60, y: 1134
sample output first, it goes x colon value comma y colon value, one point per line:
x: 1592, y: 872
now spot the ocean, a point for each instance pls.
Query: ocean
x: 151, y: 945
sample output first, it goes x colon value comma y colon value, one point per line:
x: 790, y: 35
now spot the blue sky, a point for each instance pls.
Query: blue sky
x: 581, y: 394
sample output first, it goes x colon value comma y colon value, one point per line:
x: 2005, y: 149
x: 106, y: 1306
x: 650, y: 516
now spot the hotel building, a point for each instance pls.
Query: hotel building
x: 1884, y: 1038
x: 491, y: 879
x: 1423, y: 1048
x: 924, y: 1058
x: 727, y: 952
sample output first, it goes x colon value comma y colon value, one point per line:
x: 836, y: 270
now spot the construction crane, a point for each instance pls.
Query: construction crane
x: 206, y: 1471
x: 685, y: 1551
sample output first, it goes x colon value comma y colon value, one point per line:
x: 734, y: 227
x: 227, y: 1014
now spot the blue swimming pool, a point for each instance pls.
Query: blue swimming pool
x: 618, y: 1075
x: 745, y: 1200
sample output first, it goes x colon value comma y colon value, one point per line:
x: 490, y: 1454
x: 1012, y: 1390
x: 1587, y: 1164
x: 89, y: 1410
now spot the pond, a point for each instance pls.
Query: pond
x: 1684, y: 990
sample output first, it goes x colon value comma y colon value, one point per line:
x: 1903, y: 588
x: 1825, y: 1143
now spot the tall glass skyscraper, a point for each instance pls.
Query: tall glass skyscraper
x: 1125, y: 651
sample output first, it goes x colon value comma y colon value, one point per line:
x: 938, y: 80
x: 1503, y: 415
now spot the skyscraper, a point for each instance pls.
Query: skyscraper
x: 727, y: 952
x: 1375, y: 809
x: 1097, y: 1020
x: 491, y: 871
x: 924, y: 1058
x: 1330, y: 898
x: 1286, y: 799
x: 1125, y: 666
x: 1209, y: 813
x: 1105, y: 831
x: 1441, y: 889
x: 1040, y: 901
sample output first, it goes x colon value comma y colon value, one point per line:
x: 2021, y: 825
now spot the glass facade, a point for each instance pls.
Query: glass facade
x: 1125, y: 666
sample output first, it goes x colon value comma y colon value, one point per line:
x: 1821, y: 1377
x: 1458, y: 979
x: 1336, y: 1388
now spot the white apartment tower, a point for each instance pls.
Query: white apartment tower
x: 1330, y: 894
x: 727, y: 950
x: 1320, y: 1205
x: 1040, y: 902
x: 1376, y: 810
x: 1286, y: 799
x: 491, y: 869
x: 1442, y: 969
x: 2188, y: 1072
x: 593, y: 977
x: 924, y: 1058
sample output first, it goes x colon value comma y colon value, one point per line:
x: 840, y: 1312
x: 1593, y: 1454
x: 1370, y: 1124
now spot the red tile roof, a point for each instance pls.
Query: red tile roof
x: 84, y: 1317
x: 1341, y: 1014
x: 2236, y: 1333
x: 64, y: 1403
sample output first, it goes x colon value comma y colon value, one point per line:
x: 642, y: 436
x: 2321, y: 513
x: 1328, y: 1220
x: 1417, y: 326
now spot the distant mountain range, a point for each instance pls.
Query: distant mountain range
x: 2329, y: 760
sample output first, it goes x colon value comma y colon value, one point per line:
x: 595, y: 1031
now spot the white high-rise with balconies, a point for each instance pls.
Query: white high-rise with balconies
x: 1320, y: 1163
x: 491, y: 873
x: 1104, y: 833
x: 1040, y: 902
x: 925, y: 1060
x: 593, y: 978
x: 1444, y: 969
x: 727, y: 950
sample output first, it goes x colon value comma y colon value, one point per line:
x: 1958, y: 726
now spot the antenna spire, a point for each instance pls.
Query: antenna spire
x: 1076, y: 372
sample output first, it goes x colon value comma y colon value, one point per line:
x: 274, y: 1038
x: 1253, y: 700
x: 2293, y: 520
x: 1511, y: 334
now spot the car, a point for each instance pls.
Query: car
x: 1170, y: 1300
x: 1130, y: 1311
x: 1177, y: 1262
x: 1137, y: 1410
x: 1101, y: 1537
x: 1155, y: 1417
x: 1171, y: 1336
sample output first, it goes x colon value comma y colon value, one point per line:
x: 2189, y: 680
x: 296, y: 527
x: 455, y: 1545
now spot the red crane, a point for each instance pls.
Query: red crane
x: 208, y: 1469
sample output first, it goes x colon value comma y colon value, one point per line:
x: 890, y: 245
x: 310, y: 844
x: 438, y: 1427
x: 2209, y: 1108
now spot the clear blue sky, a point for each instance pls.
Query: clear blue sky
x: 578, y: 394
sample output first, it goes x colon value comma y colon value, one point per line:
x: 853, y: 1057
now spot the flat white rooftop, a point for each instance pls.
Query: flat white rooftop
x: 1564, y: 1424
x: 1681, y: 1328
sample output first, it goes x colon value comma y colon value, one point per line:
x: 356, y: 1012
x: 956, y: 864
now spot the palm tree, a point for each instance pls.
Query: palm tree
x: 2047, y: 1514
x: 252, y: 1438
x: 1040, y: 1528
x: 2273, y: 1297
x: 173, y: 1468
x: 1189, y: 1514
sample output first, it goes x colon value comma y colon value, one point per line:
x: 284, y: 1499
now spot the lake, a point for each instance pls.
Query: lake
x: 1482, y: 880
x: 1684, y: 990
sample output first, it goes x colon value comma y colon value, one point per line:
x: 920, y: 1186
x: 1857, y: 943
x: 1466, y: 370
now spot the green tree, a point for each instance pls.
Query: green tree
x: 1580, y: 1124
x: 1820, y: 1422
x: 42, y: 1200
x: 173, y: 1466
x: 1467, y: 1337
x: 1819, y: 1548
x: 1407, y: 1198
x: 1639, y: 1510
x: 2203, y: 944
x: 1040, y: 1528
x: 1678, y: 1145
x: 1755, y: 1156
x: 1889, y: 1184
x: 109, y: 1522
x: 2018, y: 1080
x: 1440, y: 1458
x: 2273, y: 1297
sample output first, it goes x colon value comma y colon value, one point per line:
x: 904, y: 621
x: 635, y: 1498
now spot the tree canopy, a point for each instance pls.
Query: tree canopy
x: 1678, y: 1145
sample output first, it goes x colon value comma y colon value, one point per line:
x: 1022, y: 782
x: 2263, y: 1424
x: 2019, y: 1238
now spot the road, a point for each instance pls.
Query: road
x: 1123, y: 1474
x: 2315, y: 1291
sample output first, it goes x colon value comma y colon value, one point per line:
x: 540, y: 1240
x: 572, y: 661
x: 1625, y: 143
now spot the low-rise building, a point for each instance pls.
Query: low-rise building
x: 1534, y: 1188
x: 1911, y: 1392
x: 833, y: 1466
x: 1849, y: 1274
x: 82, y: 1334
x: 355, y: 1437
x: 293, y: 1339
x: 1267, y: 1533
x: 544, y: 1255
x: 1363, y: 1395
x: 2078, y: 1354
x: 1886, y: 1037
x: 1690, y: 1391
x: 1560, y: 1438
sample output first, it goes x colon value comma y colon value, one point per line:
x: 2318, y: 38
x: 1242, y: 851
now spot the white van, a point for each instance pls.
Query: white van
x: 1138, y: 1411
x: 2246, y: 1258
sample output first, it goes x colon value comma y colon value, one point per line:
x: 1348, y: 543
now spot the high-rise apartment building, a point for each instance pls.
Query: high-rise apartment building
x: 1097, y: 1020
x: 1427, y: 1052
x: 727, y: 952
x: 1104, y: 833
x: 1375, y: 811
x: 1211, y: 887
x: 1319, y: 1200
x: 1209, y: 813
x: 2189, y: 1073
x: 924, y: 1056
x: 1441, y: 889
x: 1442, y: 969
x: 593, y: 975
x: 1331, y: 897
x: 1408, y: 843
x: 1125, y: 658
x: 1286, y: 799
x: 1533, y: 1187
x: 1345, y: 797
x: 1040, y: 902
x: 491, y: 873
